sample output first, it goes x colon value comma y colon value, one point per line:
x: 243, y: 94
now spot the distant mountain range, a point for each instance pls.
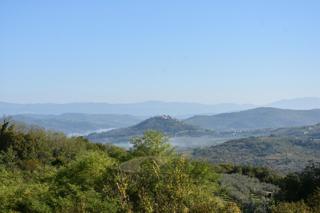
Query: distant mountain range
x: 151, y: 108
x: 243, y: 122
x: 259, y: 118
x: 165, y: 124
x: 77, y: 123
x: 84, y: 118
x: 297, y: 103
x: 285, y: 150
x: 145, y: 109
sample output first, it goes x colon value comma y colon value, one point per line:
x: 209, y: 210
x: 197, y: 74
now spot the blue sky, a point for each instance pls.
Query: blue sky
x: 131, y: 51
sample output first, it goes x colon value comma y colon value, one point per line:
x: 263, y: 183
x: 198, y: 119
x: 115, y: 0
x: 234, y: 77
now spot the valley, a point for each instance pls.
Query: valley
x: 283, y: 140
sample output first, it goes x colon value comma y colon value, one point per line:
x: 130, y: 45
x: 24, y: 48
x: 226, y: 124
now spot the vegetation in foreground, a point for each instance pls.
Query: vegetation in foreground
x: 48, y: 172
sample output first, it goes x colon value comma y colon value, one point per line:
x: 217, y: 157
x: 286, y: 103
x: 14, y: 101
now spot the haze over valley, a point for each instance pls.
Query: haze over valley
x: 205, y: 128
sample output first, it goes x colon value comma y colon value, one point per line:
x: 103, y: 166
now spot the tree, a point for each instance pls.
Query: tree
x: 300, y: 185
x: 175, y: 185
x: 152, y: 143
x: 76, y: 187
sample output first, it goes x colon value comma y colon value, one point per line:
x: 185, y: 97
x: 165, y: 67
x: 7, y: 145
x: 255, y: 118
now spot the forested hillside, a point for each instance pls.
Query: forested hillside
x: 165, y: 124
x: 285, y: 150
x: 259, y: 118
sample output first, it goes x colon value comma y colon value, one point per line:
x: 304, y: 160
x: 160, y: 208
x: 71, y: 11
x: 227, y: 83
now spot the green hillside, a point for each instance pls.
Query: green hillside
x: 166, y: 124
x: 285, y: 150
x: 258, y: 118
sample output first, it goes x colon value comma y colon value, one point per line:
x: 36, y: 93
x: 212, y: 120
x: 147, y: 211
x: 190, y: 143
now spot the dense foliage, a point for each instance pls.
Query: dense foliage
x: 300, y: 191
x: 249, y: 193
x: 263, y: 174
x: 48, y: 172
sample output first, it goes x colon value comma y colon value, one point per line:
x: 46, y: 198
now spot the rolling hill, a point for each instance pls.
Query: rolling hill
x: 259, y: 118
x: 76, y: 122
x: 285, y: 150
x: 165, y: 124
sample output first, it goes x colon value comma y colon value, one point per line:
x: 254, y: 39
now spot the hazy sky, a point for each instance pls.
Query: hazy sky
x: 129, y: 51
